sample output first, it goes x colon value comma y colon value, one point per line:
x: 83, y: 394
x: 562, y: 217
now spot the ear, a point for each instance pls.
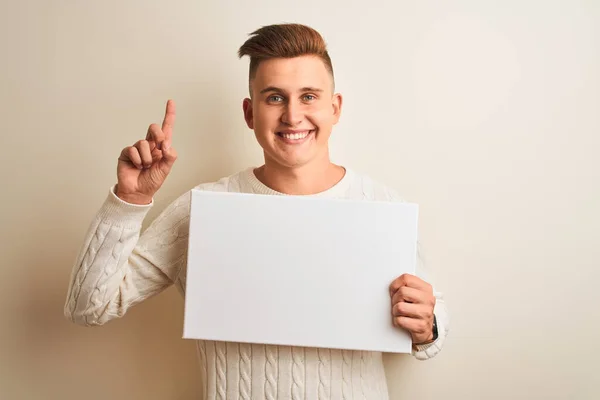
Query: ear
x: 337, y: 107
x: 248, y: 114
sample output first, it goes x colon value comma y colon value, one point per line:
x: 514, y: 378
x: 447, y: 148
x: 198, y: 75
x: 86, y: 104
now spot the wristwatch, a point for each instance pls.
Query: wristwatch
x: 435, y: 328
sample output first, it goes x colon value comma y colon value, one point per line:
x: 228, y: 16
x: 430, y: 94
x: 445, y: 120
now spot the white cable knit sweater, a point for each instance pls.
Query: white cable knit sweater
x: 119, y: 266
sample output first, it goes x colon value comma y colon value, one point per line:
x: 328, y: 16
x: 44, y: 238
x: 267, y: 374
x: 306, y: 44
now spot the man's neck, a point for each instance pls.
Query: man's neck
x: 305, y: 180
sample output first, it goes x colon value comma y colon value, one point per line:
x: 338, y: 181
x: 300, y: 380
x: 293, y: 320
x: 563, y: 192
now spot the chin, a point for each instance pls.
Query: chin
x: 291, y: 161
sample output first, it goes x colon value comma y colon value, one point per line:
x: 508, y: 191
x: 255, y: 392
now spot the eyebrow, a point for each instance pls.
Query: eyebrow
x: 276, y: 89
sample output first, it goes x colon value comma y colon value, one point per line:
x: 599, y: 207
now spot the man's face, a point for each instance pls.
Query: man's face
x: 293, y: 110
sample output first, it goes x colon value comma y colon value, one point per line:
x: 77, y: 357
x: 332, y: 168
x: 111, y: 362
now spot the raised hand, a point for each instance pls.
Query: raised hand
x: 143, y: 167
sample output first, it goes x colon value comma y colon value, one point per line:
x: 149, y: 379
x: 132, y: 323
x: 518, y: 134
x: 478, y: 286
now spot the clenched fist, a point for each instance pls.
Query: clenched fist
x: 143, y: 167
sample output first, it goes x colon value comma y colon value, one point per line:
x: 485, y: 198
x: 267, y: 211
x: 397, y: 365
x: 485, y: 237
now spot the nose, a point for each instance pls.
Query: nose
x: 292, y: 114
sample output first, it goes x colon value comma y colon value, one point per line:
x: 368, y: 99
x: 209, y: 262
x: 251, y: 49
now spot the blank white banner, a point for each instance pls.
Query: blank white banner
x: 300, y: 271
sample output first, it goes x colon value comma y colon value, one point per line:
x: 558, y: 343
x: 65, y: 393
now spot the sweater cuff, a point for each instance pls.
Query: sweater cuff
x: 430, y: 350
x: 117, y: 212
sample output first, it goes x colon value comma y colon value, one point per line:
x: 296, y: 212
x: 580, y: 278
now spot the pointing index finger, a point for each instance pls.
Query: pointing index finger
x: 169, y: 120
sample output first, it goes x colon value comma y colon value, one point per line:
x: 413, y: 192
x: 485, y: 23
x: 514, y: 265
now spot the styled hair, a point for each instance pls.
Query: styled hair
x: 284, y: 41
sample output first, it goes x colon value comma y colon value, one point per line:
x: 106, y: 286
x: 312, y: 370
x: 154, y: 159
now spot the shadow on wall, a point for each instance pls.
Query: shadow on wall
x: 141, y: 355
x: 217, y: 141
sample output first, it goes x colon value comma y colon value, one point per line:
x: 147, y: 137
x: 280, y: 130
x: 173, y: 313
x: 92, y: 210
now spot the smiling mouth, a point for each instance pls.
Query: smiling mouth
x: 296, y: 136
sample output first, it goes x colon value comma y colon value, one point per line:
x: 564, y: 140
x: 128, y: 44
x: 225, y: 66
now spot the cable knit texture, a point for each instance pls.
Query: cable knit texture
x: 118, y: 267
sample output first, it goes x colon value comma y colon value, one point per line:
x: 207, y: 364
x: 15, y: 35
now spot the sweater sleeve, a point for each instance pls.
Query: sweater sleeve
x: 429, y: 350
x: 118, y: 266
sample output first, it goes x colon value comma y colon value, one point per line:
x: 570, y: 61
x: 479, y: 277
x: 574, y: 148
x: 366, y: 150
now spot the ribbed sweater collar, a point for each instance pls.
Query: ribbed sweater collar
x: 337, y: 190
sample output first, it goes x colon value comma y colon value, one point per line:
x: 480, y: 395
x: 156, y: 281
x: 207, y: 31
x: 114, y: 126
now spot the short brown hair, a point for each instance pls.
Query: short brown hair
x: 284, y: 41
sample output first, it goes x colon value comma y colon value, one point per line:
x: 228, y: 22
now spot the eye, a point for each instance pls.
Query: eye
x: 274, y: 98
x: 309, y: 97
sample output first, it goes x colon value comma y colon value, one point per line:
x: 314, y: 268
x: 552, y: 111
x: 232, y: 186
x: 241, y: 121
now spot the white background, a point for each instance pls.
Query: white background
x: 486, y: 114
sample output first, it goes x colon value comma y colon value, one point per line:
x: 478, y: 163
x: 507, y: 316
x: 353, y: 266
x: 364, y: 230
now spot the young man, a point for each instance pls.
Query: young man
x: 291, y: 109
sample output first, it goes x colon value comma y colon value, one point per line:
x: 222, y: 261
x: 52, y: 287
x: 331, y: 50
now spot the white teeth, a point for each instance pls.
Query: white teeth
x: 295, y: 136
